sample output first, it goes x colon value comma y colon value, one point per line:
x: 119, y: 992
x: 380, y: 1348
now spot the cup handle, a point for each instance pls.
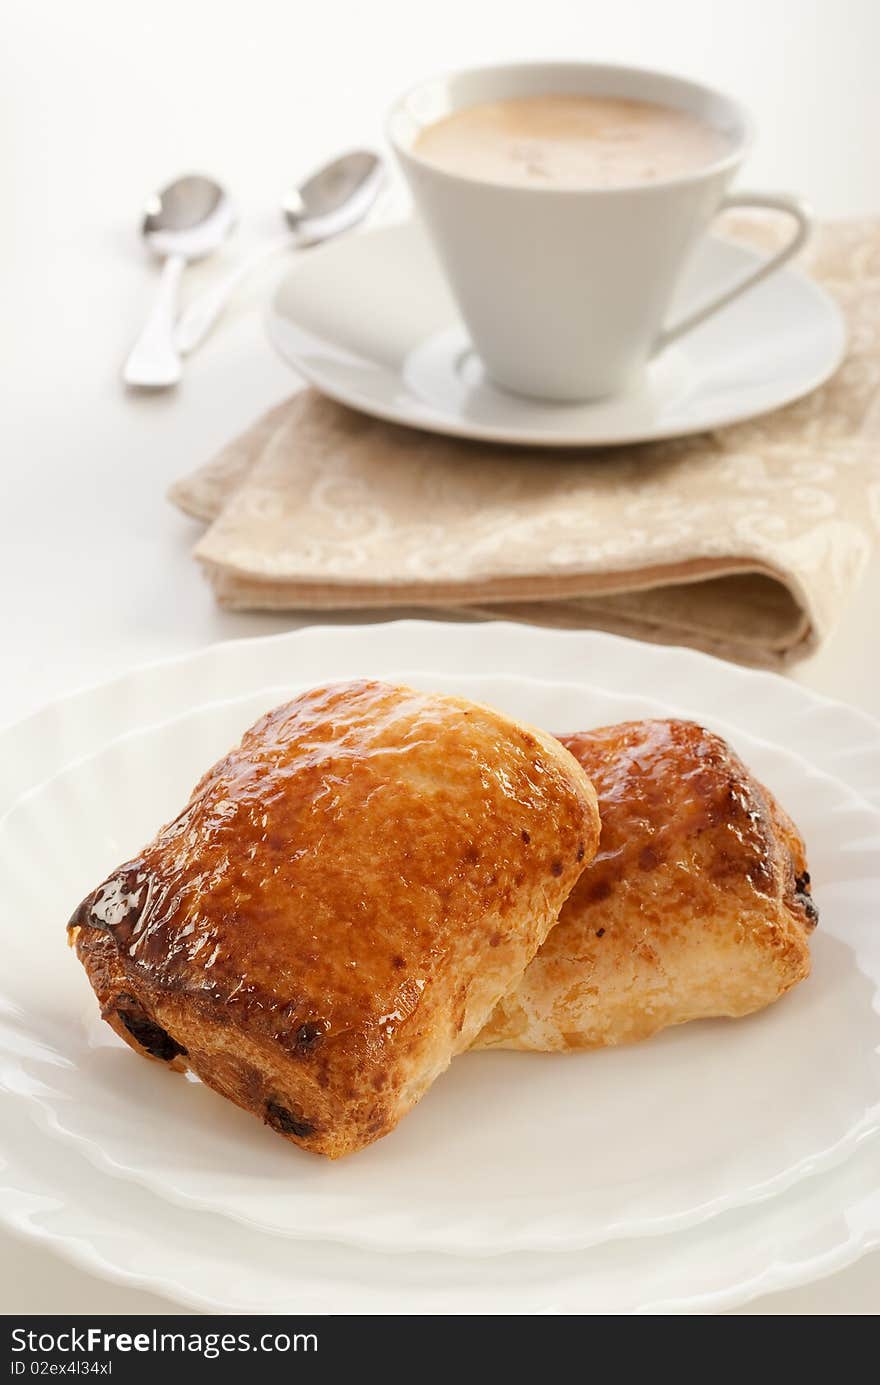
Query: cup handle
x: 777, y: 202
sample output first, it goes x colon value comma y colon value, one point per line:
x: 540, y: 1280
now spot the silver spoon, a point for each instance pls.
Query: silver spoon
x: 330, y: 201
x: 185, y: 221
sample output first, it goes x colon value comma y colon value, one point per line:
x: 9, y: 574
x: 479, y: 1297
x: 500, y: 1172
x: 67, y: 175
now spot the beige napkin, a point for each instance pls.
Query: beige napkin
x: 746, y: 542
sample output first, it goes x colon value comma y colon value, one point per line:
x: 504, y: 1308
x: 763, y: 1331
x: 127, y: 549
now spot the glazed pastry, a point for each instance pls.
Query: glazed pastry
x: 336, y: 911
x: 697, y: 903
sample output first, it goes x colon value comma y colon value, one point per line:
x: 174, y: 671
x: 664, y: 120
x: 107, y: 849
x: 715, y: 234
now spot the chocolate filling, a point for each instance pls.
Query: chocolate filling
x: 151, y: 1036
x: 286, y: 1122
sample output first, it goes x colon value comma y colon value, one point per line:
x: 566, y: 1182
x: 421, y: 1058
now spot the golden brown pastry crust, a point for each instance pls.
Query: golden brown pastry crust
x: 697, y: 903
x: 341, y: 903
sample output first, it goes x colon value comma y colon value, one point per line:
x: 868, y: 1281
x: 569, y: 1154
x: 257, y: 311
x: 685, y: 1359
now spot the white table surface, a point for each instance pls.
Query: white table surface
x: 105, y: 100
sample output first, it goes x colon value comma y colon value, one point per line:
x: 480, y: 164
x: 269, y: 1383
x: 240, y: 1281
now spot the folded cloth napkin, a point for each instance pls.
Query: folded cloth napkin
x: 746, y: 542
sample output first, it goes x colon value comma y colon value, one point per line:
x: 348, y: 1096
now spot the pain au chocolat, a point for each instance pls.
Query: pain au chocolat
x: 696, y: 905
x: 340, y: 905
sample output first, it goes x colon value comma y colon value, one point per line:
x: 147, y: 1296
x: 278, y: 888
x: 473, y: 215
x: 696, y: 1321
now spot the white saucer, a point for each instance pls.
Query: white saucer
x: 369, y: 321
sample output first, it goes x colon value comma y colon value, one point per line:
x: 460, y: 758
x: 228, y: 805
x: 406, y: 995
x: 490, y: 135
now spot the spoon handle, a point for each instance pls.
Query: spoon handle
x: 196, y: 321
x: 154, y: 361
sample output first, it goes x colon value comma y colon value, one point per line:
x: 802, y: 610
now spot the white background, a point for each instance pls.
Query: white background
x: 102, y: 101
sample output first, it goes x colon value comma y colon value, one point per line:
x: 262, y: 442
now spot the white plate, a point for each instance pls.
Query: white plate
x: 820, y: 1226
x: 213, y: 1265
x: 705, y: 1118
x: 368, y: 320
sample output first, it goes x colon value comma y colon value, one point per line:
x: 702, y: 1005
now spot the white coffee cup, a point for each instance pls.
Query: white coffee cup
x: 566, y: 292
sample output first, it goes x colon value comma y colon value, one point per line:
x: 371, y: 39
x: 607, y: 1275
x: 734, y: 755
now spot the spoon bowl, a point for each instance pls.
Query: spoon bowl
x: 190, y: 217
x: 335, y: 197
